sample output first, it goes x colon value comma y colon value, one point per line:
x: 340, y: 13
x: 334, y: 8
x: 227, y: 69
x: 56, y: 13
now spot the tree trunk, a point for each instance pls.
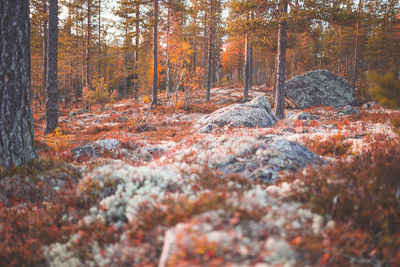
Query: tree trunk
x: 52, y: 91
x: 169, y: 91
x: 45, y: 39
x: 99, y: 44
x: 246, y: 69
x: 355, y: 68
x: 194, y: 47
x: 250, y: 67
x: 137, y: 36
x: 88, y: 36
x: 16, y: 120
x: 126, y: 63
x: 209, y: 70
x: 280, y: 84
x: 155, y: 48
x: 275, y: 74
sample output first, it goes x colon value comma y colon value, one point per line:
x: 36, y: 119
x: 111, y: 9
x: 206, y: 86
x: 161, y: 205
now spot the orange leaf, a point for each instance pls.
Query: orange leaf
x: 296, y: 241
x: 325, y: 258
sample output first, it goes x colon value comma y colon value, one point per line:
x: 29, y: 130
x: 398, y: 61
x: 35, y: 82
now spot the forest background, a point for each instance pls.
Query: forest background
x: 106, y: 46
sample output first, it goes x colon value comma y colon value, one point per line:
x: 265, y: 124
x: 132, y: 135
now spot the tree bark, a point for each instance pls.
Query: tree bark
x: 52, y: 91
x: 88, y: 36
x: 45, y: 39
x: 250, y: 67
x: 280, y: 84
x: 137, y: 31
x: 275, y: 74
x: 209, y: 70
x: 246, y: 69
x: 194, y: 46
x: 155, y: 51
x: 126, y: 44
x: 137, y: 36
x: 355, y: 68
x: 99, y: 44
x: 169, y: 91
x: 16, y: 120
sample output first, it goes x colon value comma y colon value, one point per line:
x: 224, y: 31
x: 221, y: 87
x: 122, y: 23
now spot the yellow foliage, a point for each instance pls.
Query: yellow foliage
x: 58, y: 140
x: 146, y: 99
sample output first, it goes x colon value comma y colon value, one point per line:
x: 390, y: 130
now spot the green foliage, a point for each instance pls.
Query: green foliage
x: 396, y: 125
x: 361, y: 194
x: 386, y: 90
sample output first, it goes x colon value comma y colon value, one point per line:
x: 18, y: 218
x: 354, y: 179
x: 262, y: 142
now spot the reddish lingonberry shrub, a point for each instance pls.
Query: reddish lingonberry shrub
x: 362, y: 196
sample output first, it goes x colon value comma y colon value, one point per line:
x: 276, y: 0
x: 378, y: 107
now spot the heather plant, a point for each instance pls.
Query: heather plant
x: 362, y: 196
x: 335, y: 146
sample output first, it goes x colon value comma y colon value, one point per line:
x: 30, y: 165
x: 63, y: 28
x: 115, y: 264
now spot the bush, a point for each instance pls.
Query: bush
x: 334, y: 146
x: 362, y: 196
x: 100, y: 93
x: 386, y: 90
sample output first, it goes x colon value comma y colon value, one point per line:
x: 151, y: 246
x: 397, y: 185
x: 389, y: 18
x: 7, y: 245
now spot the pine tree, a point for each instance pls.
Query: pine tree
x: 52, y: 90
x: 281, y: 57
x: 155, y: 55
x: 16, y: 120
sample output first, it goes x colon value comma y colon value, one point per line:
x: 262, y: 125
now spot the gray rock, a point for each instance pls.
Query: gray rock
x: 256, y: 158
x: 77, y: 112
x: 369, y: 105
x: 348, y: 110
x: 256, y: 113
x: 207, y: 128
x: 95, y: 149
x: 303, y: 116
x: 320, y: 88
x: 154, y: 150
x: 222, y: 101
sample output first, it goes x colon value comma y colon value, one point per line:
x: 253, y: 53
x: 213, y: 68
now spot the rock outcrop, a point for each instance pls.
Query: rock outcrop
x: 303, y: 116
x: 256, y: 113
x: 320, y: 88
x: 256, y: 158
x: 95, y: 149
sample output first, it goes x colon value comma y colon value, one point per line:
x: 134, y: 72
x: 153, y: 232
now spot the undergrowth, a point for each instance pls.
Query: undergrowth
x: 335, y: 145
x: 363, y: 197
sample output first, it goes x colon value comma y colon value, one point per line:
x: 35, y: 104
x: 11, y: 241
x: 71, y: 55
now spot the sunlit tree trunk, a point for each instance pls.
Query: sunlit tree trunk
x: 52, y: 90
x: 246, y: 69
x: 355, y: 68
x: 88, y: 36
x: 209, y: 69
x: 169, y: 89
x: 280, y: 84
x: 250, y: 67
x: 99, y: 44
x: 16, y: 120
x: 155, y: 51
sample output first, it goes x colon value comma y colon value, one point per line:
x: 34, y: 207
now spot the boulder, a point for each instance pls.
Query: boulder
x: 77, y: 112
x: 256, y: 113
x: 370, y: 105
x: 95, y: 149
x: 303, y: 116
x: 255, y: 158
x: 348, y: 110
x: 320, y: 88
x: 215, y: 231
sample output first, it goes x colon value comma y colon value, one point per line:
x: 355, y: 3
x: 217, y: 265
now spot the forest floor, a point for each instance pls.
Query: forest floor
x: 124, y: 185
